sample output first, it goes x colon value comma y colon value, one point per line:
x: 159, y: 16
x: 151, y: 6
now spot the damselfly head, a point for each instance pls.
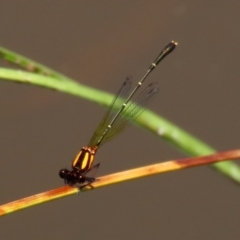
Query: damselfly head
x: 72, y: 177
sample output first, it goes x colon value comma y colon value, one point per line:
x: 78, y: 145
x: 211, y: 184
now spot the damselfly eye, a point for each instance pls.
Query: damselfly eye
x: 63, y: 173
x: 81, y: 179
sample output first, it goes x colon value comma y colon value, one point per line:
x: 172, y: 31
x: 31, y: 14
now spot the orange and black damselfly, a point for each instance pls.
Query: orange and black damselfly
x: 120, y: 111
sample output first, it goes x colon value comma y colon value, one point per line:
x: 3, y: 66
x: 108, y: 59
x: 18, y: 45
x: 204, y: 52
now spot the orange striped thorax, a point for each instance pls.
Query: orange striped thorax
x: 84, y: 159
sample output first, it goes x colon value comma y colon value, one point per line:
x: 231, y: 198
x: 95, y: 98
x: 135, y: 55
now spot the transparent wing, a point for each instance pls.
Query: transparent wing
x: 132, y: 110
x: 113, y: 108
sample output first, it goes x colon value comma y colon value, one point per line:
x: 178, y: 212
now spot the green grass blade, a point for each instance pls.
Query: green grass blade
x: 185, y: 142
x: 29, y: 64
x: 69, y: 87
x: 48, y: 78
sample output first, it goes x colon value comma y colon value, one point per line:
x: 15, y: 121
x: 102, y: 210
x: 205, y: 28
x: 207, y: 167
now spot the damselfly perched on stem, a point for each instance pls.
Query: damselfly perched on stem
x: 120, y: 111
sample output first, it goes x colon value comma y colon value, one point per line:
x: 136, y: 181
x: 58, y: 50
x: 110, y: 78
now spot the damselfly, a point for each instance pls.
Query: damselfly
x: 120, y: 111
